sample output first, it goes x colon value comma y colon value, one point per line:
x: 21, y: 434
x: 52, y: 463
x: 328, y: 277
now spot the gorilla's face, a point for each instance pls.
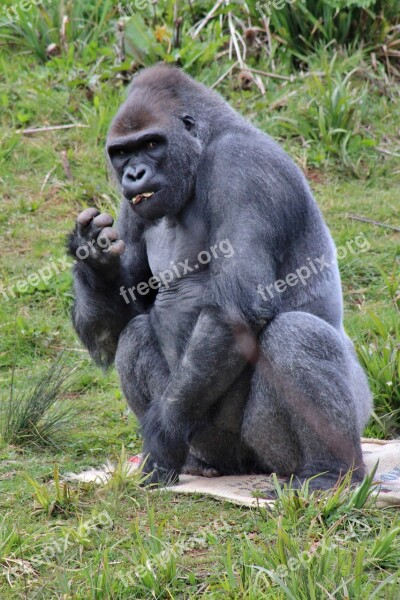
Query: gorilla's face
x: 154, y: 151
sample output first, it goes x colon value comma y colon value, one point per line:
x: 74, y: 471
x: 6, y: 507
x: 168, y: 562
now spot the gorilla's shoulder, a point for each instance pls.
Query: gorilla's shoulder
x: 248, y: 157
x: 243, y: 141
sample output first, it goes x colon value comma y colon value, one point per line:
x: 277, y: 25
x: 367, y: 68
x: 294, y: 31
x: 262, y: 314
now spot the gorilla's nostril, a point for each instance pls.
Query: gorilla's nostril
x: 135, y: 174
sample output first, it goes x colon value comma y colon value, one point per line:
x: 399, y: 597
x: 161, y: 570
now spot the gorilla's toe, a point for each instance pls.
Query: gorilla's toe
x: 197, y: 467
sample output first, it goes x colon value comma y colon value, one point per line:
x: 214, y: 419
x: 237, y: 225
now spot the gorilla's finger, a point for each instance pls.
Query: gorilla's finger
x: 86, y: 216
x: 117, y: 248
x: 103, y: 220
x: 108, y: 233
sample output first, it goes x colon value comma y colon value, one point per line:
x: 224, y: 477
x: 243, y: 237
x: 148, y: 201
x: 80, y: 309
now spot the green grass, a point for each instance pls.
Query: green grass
x: 119, y: 541
x: 34, y: 413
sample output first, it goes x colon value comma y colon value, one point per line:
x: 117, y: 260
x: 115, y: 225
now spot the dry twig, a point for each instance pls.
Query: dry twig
x: 214, y: 85
x: 372, y: 221
x: 207, y: 18
x: 388, y: 152
x: 46, y: 179
x: 66, y: 166
x: 50, y: 128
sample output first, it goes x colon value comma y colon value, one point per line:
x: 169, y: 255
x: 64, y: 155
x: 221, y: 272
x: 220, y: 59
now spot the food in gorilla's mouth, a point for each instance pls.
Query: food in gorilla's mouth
x: 141, y: 197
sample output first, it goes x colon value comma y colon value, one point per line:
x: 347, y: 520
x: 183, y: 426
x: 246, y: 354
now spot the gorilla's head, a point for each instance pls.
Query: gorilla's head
x: 156, y: 140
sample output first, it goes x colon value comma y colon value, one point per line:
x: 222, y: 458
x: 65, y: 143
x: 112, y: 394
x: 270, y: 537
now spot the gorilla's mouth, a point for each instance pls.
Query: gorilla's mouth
x: 141, y: 197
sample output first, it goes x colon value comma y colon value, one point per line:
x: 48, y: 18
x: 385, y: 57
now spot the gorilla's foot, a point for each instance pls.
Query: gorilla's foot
x: 197, y: 467
x: 160, y: 476
x: 320, y: 479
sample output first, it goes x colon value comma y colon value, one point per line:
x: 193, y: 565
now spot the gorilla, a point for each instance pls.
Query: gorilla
x: 218, y: 295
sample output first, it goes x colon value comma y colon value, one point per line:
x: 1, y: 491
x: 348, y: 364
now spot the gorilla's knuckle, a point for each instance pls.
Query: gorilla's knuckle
x: 87, y: 215
x: 108, y: 233
x: 103, y: 220
x: 117, y: 248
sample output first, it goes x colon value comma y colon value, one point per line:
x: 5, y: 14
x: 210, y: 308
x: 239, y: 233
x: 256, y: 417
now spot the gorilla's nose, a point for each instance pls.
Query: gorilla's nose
x: 135, y: 180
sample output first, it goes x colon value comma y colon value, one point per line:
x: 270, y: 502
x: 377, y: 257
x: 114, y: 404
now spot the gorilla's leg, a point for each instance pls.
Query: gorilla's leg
x: 308, y: 402
x: 219, y: 444
x: 141, y: 367
x: 216, y: 446
x: 144, y: 374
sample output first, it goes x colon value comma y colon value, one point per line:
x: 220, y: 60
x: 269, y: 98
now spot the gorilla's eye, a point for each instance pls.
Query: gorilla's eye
x: 151, y: 145
x: 188, y: 122
x: 121, y: 152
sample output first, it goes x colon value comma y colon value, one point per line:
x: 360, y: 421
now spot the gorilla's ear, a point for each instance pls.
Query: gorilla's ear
x: 188, y: 122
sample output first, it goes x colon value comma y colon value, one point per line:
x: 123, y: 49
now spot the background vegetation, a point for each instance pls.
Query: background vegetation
x: 322, y: 76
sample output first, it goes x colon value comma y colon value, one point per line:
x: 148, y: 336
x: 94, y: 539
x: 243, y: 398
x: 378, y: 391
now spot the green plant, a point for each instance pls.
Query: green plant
x: 10, y: 540
x: 8, y: 144
x: 123, y: 478
x: 380, y: 357
x: 305, y: 24
x: 148, y: 45
x: 102, y: 579
x: 329, y: 112
x: 63, y: 501
x: 300, y: 563
x: 62, y: 24
x: 156, y: 560
x: 34, y: 413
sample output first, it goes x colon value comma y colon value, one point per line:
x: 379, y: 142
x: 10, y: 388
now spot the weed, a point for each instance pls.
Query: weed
x: 33, y: 413
x: 63, y: 501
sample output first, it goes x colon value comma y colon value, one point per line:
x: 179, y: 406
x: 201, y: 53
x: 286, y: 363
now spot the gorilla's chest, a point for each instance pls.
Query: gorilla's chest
x: 173, y: 250
x: 176, y: 244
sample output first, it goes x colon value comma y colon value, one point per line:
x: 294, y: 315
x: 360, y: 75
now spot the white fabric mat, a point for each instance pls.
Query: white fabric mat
x: 242, y: 489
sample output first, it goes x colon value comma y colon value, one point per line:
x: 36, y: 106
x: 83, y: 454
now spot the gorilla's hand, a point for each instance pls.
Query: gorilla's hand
x: 165, y: 448
x: 158, y: 475
x: 95, y: 240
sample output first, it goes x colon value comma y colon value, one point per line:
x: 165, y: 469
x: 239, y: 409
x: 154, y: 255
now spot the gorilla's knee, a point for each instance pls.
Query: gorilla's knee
x: 307, y: 364
x: 295, y: 338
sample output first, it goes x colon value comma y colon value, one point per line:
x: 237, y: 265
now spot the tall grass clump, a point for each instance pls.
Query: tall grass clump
x: 319, y: 551
x: 380, y: 357
x: 328, y: 113
x: 33, y: 412
x: 53, y: 25
x: 305, y: 24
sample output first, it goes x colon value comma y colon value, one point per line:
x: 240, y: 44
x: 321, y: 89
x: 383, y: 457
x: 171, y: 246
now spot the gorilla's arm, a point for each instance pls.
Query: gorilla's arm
x: 223, y: 340
x: 100, y: 310
x: 259, y: 227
